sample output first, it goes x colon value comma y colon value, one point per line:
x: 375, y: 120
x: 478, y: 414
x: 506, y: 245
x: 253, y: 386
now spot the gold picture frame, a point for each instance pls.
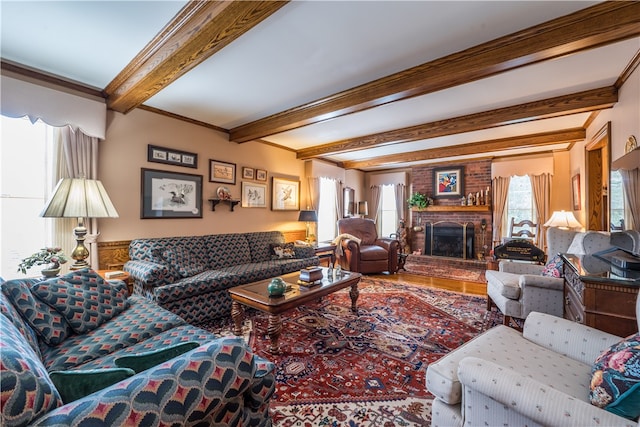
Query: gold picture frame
x: 285, y: 194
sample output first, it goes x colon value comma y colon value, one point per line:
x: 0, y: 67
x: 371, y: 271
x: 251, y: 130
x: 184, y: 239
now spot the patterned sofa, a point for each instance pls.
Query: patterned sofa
x: 68, y: 333
x: 190, y: 275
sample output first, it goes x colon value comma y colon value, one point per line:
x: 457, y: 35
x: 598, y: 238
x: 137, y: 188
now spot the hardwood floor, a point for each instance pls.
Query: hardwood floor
x: 436, y: 282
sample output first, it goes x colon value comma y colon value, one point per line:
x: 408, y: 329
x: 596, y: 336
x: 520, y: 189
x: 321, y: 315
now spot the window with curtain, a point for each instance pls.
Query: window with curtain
x: 520, y: 205
x: 327, y: 217
x: 616, y: 198
x: 26, y: 161
x: 387, y: 214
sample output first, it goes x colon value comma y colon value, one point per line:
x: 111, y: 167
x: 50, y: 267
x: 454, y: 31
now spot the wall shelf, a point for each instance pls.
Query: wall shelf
x: 440, y: 208
x: 215, y: 202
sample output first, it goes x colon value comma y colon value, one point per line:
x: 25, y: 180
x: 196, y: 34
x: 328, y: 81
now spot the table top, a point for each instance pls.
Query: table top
x: 590, y: 267
x: 256, y: 294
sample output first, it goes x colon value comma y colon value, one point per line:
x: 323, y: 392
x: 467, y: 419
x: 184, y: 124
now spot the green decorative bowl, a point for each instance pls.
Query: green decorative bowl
x: 277, y: 287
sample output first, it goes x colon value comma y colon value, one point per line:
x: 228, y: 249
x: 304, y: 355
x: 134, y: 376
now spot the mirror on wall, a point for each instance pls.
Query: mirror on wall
x: 348, y: 201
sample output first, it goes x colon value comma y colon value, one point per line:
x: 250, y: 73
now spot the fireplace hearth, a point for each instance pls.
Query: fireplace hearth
x: 449, y: 239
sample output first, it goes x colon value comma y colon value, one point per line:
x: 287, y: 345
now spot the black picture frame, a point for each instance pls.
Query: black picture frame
x: 448, y: 182
x: 170, y: 195
x: 169, y: 156
x: 220, y: 171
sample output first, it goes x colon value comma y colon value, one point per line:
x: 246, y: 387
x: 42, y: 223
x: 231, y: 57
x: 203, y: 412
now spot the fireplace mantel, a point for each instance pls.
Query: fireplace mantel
x: 441, y: 208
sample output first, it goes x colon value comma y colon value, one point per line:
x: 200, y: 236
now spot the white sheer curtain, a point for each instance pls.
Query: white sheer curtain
x: 339, y: 203
x: 541, y: 189
x: 375, y: 201
x: 400, y: 191
x: 313, y: 190
x: 631, y: 185
x: 500, y: 193
x: 81, y: 160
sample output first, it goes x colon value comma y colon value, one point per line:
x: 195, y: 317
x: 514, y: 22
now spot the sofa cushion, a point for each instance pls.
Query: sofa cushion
x: 84, y: 299
x: 224, y: 250
x: 373, y: 253
x: 48, y: 323
x: 184, y: 261
x: 508, y: 284
x: 8, y: 310
x: 27, y: 390
x: 553, y: 268
x: 74, y: 385
x: 259, y: 244
x: 282, y: 250
x: 615, y: 382
x: 142, y: 361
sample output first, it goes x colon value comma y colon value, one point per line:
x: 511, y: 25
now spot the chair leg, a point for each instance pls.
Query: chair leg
x: 489, y: 303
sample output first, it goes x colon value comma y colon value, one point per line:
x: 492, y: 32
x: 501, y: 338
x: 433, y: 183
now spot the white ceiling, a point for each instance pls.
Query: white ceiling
x: 308, y: 50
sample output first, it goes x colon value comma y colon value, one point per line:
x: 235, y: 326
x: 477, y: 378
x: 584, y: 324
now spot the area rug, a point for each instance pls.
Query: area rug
x: 338, y: 368
x: 428, y: 267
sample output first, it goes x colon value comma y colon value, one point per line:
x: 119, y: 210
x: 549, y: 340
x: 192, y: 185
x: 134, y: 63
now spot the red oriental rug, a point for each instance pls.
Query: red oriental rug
x: 338, y: 368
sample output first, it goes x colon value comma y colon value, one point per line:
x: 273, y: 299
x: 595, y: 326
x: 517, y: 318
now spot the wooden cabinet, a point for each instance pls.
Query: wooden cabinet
x: 599, y: 300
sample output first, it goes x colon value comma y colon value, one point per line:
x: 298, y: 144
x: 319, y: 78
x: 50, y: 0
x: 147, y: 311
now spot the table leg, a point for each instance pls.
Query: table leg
x: 353, y: 293
x: 273, y: 330
x: 237, y: 314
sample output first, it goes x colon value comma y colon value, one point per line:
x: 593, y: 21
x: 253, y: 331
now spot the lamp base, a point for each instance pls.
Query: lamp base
x: 80, y: 252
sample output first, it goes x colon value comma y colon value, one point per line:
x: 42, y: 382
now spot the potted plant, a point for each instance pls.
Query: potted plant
x: 51, y: 257
x: 419, y: 200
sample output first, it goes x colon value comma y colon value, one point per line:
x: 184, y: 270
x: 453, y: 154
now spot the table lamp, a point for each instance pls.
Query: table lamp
x: 363, y: 209
x: 563, y: 220
x: 308, y: 217
x: 79, y: 198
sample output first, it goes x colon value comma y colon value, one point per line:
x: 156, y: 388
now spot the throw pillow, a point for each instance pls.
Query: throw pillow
x: 553, y: 268
x: 50, y: 325
x: 27, y: 391
x: 282, y: 250
x: 615, y: 380
x: 143, y: 361
x: 74, y: 385
x: 185, y: 262
x: 84, y: 299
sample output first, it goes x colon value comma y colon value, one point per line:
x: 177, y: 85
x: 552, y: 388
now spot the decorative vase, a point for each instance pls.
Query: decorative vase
x: 51, y: 271
x: 277, y: 287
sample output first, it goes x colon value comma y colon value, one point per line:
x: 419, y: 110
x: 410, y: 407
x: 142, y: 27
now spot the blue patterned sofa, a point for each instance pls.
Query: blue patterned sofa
x: 56, y: 332
x: 190, y: 275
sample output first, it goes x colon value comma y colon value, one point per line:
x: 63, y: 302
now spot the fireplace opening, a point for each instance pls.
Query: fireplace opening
x: 449, y: 239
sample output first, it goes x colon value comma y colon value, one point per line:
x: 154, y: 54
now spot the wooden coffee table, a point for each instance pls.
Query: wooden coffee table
x: 255, y: 295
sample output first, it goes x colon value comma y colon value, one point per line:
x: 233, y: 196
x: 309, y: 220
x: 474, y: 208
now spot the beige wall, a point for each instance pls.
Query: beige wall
x: 124, y: 153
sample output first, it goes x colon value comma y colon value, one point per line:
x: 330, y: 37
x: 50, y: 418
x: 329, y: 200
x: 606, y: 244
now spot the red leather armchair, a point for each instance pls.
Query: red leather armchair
x: 372, y: 254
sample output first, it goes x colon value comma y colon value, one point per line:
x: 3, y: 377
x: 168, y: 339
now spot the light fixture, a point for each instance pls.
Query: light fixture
x: 79, y: 198
x: 363, y: 208
x: 308, y: 217
x: 563, y: 220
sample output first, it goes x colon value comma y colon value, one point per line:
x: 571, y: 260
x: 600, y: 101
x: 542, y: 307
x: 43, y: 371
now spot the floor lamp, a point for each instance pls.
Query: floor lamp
x: 79, y: 198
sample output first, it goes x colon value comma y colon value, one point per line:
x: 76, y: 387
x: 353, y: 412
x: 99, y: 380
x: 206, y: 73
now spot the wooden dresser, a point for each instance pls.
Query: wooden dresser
x: 597, y: 297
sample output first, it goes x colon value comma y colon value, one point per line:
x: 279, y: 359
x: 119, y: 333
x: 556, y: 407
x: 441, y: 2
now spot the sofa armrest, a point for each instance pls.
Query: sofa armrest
x: 530, y: 280
x: 388, y: 243
x: 531, y: 398
x: 220, y: 378
x: 520, y: 267
x: 149, y: 274
x: 566, y: 337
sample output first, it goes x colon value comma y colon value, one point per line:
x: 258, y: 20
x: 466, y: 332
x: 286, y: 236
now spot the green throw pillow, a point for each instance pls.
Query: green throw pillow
x: 143, y: 361
x: 74, y: 385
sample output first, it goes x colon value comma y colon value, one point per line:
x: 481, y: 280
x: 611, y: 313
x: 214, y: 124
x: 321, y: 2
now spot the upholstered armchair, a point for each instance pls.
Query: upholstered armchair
x: 361, y: 250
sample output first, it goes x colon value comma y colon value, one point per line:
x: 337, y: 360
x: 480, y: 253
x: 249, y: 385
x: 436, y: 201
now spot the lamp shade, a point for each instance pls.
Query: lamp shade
x: 309, y: 216
x: 363, y: 208
x: 562, y: 219
x: 79, y: 198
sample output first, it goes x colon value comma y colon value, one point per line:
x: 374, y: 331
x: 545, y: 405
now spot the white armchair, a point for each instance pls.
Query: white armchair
x: 540, y: 377
x: 519, y: 288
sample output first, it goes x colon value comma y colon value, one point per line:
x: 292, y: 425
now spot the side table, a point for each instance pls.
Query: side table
x: 125, y: 278
x: 326, y: 250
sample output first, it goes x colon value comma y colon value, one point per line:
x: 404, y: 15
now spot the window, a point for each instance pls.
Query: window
x: 24, y: 185
x: 327, y: 217
x: 520, y: 204
x: 616, y: 198
x: 387, y: 215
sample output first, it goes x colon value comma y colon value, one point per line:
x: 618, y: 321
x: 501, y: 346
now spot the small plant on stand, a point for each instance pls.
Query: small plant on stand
x: 52, y: 257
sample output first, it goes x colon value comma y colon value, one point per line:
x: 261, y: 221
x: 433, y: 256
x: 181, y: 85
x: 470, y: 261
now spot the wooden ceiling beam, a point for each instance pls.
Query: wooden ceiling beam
x: 482, y: 147
x: 590, y: 100
x: 199, y: 30
x: 604, y: 23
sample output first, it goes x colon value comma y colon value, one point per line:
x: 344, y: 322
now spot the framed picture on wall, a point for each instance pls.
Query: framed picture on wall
x: 261, y: 174
x: 575, y: 192
x: 170, y: 156
x: 254, y: 195
x: 448, y: 182
x: 222, y: 172
x: 285, y: 195
x: 247, y: 173
x: 170, y: 195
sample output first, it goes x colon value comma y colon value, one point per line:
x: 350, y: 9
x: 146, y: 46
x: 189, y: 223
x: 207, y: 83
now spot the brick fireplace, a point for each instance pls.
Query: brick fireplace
x: 449, y: 212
